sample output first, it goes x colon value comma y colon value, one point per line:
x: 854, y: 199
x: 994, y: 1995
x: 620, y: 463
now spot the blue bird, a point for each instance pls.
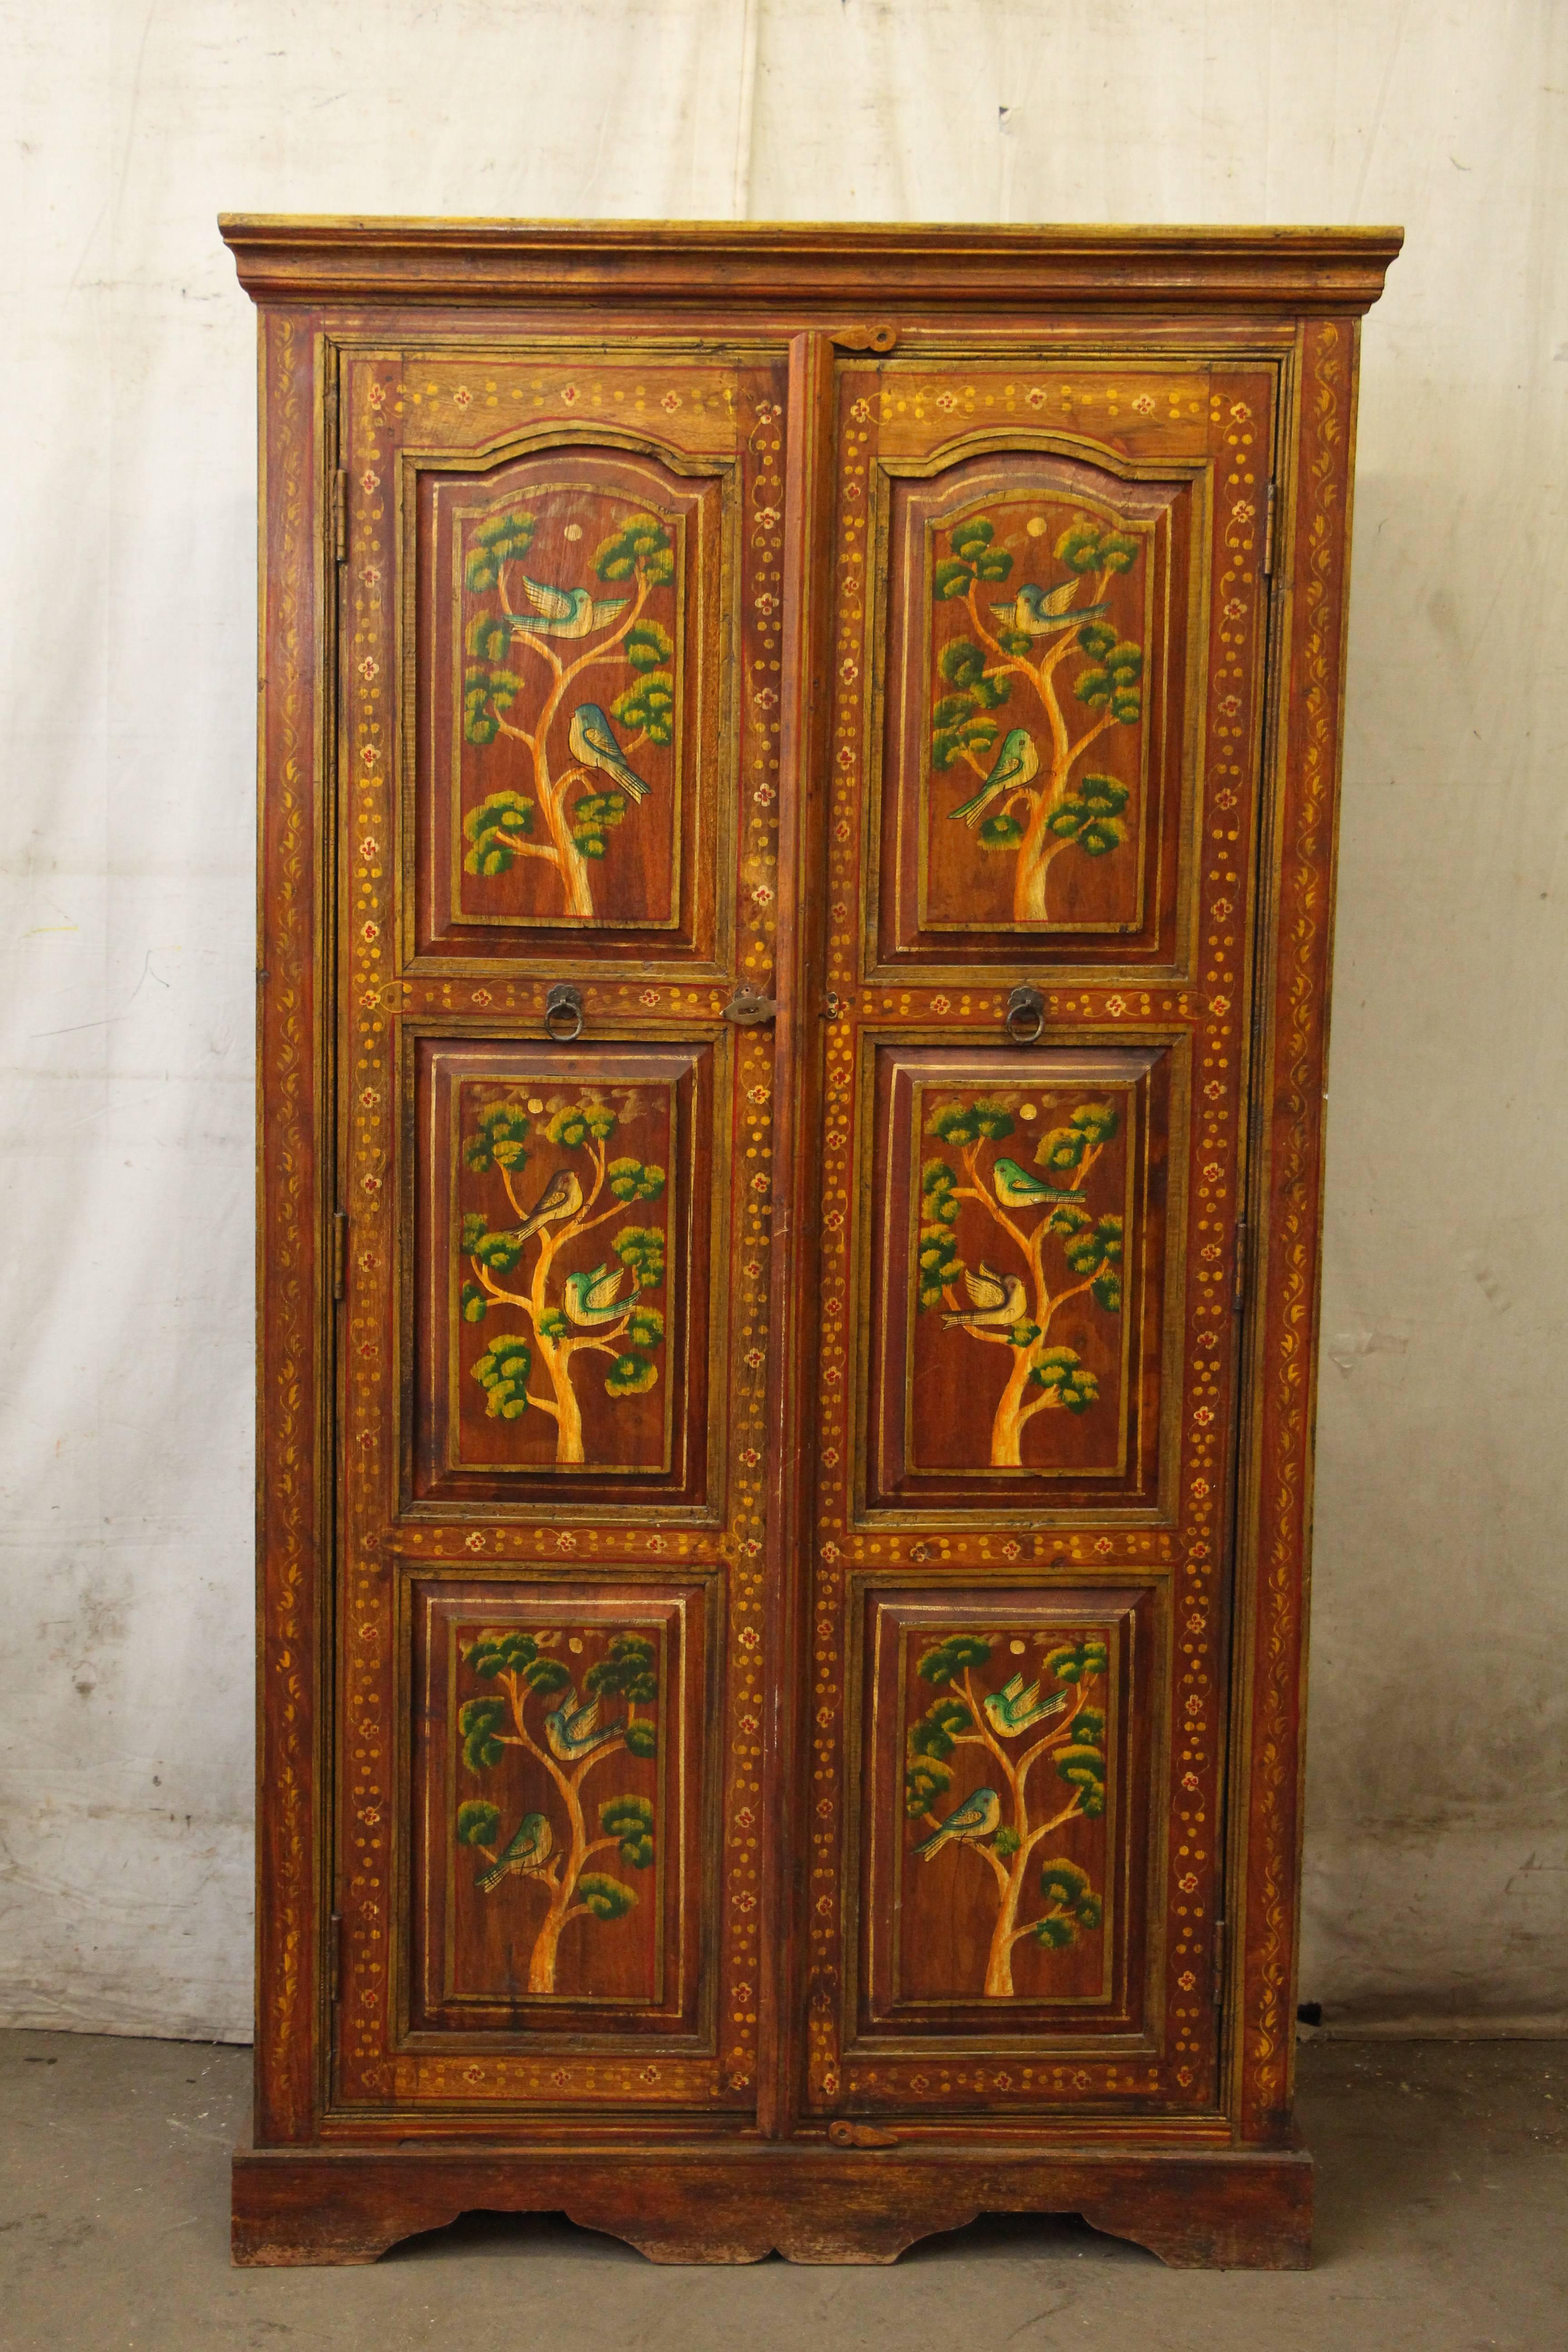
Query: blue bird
x: 565, y: 612
x: 574, y: 1732
x: 591, y: 1297
x: 1017, y: 763
x: 975, y: 1818
x: 592, y: 741
x: 1013, y: 1710
x: 532, y: 1844
x: 1036, y: 612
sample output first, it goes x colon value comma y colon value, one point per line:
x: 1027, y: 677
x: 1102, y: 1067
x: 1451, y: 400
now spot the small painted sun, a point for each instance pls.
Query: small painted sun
x: 1035, y: 526
x: 1017, y: 1648
x: 1028, y: 1110
x: 534, y: 1105
x: 574, y: 1645
x: 574, y: 530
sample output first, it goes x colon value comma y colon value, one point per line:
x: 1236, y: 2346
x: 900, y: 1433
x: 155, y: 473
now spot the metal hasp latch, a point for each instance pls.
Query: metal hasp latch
x: 748, y: 1006
x: 1025, y: 1015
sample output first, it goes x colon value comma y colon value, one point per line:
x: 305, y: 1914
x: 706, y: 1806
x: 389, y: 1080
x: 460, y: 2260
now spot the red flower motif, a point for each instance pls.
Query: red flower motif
x: 370, y: 482
x: 462, y: 396
x: 569, y: 395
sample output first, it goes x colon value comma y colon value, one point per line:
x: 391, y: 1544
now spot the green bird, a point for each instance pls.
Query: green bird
x: 975, y: 1818
x: 1016, y: 1188
x: 994, y: 1299
x: 592, y: 741
x: 1013, y: 1710
x: 564, y: 611
x: 1017, y: 763
x: 1034, y: 612
x: 534, y: 1843
x: 574, y: 1731
x: 562, y: 1197
x: 591, y: 1297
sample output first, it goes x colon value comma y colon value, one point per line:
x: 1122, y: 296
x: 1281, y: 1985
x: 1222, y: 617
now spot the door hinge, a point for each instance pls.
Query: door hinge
x: 1268, y: 534
x: 340, y: 517
x: 1239, y: 1269
x: 334, y: 1957
x: 1218, y: 1962
x: 339, y: 1253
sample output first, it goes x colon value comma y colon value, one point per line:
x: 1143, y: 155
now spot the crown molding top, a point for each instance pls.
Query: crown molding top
x: 831, y: 269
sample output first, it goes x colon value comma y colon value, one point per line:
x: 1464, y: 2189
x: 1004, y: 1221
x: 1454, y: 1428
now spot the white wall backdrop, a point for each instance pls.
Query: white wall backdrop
x: 1437, y: 1856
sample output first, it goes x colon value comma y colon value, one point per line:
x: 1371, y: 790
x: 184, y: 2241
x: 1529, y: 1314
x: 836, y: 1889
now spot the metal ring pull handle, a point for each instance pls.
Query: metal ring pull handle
x: 748, y: 1006
x: 1025, y: 1015
x: 563, y: 1013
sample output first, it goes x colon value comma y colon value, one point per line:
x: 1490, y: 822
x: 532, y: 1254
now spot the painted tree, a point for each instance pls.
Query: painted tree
x: 1051, y: 1244
x: 568, y: 1738
x: 997, y: 1822
x: 570, y: 1309
x: 518, y: 680
x: 1032, y: 803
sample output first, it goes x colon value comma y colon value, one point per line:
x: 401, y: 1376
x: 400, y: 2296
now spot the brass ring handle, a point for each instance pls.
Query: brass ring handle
x: 1025, y: 1015
x: 563, y: 1013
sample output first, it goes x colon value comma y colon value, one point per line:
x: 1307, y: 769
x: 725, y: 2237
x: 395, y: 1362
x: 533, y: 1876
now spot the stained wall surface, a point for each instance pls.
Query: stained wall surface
x: 1437, y: 1850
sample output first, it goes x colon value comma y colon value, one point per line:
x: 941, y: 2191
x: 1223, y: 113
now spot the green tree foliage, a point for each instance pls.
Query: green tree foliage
x: 477, y: 1824
x: 648, y: 646
x: 502, y: 1372
x: 500, y: 1138
x: 1077, y: 1662
x: 962, y: 722
x: 1082, y: 1765
x: 952, y: 1656
x: 495, y: 831
x: 593, y: 815
x: 1110, y: 681
x: 939, y: 1264
x: 630, y: 1819
x: 606, y: 1898
x: 634, y: 1179
x: 497, y: 1253
x: 1073, y: 1903
x: 648, y: 709
x: 1091, y: 815
x: 641, y: 1247
x: 630, y: 1375
x: 974, y: 557
x: 478, y: 1721
x: 940, y: 1187
x: 924, y: 1783
x: 644, y: 1328
x: 1000, y: 832
x: 1066, y: 1380
x: 934, y: 1732
x: 504, y: 1650
x: 628, y: 1670
x: 1087, y: 546
x: 553, y: 1325
x: 500, y: 539
x: 1090, y: 1127
x: 472, y: 1303
x: 641, y: 549
x: 960, y: 1123
x: 572, y: 1125
x: 641, y: 1738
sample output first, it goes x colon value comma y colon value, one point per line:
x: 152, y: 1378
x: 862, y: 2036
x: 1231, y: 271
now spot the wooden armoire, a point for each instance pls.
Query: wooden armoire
x: 797, y: 831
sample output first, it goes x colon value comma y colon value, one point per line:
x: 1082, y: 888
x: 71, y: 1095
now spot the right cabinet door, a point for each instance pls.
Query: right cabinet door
x: 1049, y: 650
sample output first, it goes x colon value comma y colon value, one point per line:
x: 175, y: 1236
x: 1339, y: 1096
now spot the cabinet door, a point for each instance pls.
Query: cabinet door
x: 1049, y: 645
x: 559, y: 616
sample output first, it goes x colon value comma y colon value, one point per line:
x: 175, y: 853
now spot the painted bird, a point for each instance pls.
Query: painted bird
x: 1036, y: 612
x: 997, y: 1299
x: 573, y: 1732
x: 1016, y: 1188
x: 592, y: 741
x: 591, y: 1297
x: 975, y: 1818
x: 1017, y: 763
x: 562, y: 1197
x: 565, y: 612
x: 1013, y: 1710
x: 534, y: 1843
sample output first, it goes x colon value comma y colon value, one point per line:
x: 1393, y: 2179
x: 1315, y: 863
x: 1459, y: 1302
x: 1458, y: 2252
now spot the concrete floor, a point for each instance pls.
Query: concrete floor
x: 1443, y: 2205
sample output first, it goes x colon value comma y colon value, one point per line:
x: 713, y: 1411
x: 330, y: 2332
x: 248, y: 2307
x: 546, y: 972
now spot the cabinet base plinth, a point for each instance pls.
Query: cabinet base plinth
x: 1215, y: 2209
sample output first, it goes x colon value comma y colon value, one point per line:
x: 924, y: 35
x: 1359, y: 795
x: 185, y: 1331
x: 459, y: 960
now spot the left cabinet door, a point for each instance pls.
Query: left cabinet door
x: 559, y: 614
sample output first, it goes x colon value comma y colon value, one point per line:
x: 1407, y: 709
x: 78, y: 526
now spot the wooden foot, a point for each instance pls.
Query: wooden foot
x: 1215, y: 2209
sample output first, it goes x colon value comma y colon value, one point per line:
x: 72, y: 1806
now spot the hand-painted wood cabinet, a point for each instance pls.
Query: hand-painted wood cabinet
x: 798, y: 795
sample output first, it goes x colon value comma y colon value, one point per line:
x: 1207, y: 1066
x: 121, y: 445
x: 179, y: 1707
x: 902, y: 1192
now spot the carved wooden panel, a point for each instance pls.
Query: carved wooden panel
x: 1039, y: 613
x: 1016, y: 1216
x: 571, y: 727
x: 563, y: 1239
x: 1003, y: 1875
x: 559, y: 1865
